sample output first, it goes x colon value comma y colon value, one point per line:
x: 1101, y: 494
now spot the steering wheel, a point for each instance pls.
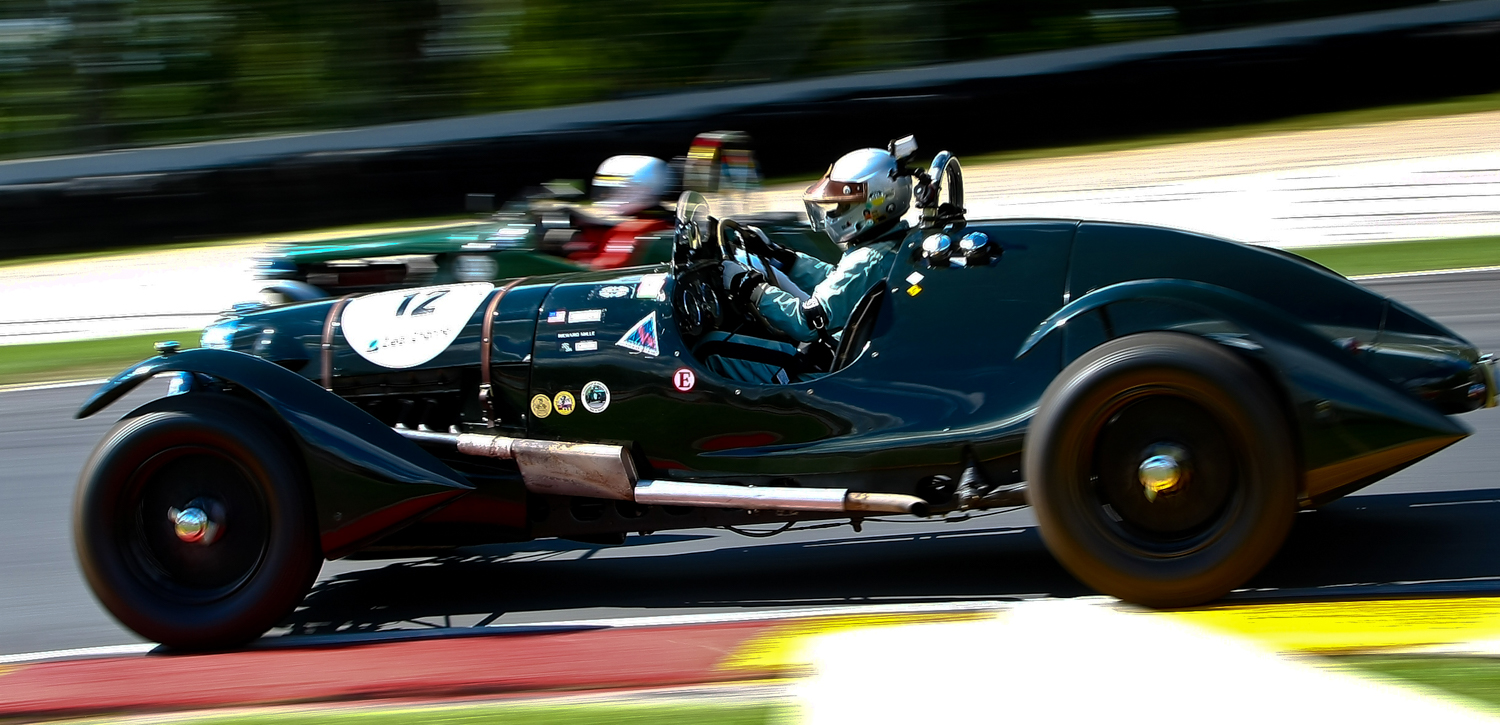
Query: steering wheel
x: 696, y: 261
x: 732, y: 239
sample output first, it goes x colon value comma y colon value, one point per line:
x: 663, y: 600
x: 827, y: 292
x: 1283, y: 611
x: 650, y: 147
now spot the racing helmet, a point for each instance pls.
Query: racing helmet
x: 628, y: 184
x: 860, y: 192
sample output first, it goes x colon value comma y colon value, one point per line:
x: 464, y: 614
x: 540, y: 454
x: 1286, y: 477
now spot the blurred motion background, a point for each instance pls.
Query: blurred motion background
x: 131, y: 122
x: 84, y: 75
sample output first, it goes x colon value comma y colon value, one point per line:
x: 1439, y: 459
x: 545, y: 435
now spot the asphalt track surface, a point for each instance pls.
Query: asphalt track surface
x: 1430, y: 529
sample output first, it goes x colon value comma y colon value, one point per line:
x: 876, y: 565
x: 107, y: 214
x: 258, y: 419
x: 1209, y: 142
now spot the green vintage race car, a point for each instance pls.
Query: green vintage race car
x: 1164, y: 401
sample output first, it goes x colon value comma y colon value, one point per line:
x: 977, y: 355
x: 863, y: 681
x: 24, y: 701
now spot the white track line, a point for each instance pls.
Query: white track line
x: 21, y: 388
x: 121, y: 650
x: 1426, y: 273
x: 114, y: 650
x: 667, y: 620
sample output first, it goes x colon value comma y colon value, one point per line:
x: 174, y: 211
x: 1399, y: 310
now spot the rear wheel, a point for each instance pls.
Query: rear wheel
x: 1160, y: 470
x: 194, y: 524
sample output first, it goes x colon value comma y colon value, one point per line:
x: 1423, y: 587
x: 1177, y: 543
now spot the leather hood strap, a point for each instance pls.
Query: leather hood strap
x: 486, y: 345
x: 330, y: 322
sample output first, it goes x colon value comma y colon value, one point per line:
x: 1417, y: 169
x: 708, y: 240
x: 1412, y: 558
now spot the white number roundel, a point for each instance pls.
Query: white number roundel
x: 405, y: 328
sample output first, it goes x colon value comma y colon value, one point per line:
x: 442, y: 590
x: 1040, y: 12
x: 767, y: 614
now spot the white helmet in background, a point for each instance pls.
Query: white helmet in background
x: 860, y: 192
x: 628, y: 184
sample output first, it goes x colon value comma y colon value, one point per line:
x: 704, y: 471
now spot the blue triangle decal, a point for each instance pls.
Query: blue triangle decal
x: 642, y: 337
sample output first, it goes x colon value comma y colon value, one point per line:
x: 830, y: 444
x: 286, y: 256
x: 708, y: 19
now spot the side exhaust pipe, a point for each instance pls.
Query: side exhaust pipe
x: 603, y: 471
x: 687, y: 493
x: 552, y: 467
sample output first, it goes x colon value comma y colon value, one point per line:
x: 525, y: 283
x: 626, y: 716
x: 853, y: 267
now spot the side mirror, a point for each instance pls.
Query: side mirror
x: 903, y: 147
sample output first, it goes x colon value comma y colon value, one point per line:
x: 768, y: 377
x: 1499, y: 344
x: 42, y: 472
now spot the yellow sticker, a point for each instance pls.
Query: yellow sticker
x: 563, y: 402
x: 541, y: 406
x: 914, y: 290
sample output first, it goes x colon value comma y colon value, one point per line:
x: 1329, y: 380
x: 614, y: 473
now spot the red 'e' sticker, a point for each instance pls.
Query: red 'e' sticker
x: 684, y: 379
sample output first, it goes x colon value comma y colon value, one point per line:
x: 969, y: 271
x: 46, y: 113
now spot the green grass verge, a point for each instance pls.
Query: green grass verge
x: 1473, y: 678
x: 81, y: 359
x: 1389, y: 257
x: 748, y: 713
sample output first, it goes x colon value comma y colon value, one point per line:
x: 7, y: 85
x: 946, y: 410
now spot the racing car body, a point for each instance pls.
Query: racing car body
x: 1165, y: 400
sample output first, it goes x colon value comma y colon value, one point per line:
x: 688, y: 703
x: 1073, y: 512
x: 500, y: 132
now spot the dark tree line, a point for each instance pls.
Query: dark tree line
x: 81, y: 75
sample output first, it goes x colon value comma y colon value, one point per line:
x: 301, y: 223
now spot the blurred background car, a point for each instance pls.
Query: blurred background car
x: 549, y: 229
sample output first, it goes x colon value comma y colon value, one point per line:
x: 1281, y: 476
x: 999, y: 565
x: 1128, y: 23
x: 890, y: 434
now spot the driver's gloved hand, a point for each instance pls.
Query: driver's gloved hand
x: 758, y: 243
x: 741, y: 282
x: 740, y: 279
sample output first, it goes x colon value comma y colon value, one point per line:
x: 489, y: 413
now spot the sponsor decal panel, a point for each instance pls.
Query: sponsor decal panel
x: 684, y: 379
x: 577, y: 316
x: 613, y: 291
x: 595, y: 397
x: 650, y: 286
x: 406, y: 328
x: 563, y: 403
x: 586, y: 345
x: 642, y: 337
x: 541, y: 406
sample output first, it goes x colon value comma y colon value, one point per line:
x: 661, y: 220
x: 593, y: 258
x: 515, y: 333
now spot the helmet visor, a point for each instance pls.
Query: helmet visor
x: 829, y: 199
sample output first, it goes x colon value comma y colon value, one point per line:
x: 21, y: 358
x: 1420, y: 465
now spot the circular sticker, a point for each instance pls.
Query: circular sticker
x: 563, y: 402
x: 595, y: 397
x: 684, y: 380
x: 541, y: 406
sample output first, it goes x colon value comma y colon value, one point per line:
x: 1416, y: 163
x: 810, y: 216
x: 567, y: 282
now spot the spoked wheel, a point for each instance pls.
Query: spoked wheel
x: 194, y: 524
x: 1160, y: 470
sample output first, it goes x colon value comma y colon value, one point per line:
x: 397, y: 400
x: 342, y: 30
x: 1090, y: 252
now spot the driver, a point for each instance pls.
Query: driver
x: 627, y: 207
x: 859, y: 203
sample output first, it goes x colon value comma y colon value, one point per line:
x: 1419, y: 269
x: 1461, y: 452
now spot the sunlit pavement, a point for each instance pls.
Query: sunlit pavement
x: 1405, y: 180
x: 1062, y: 659
x: 1072, y: 661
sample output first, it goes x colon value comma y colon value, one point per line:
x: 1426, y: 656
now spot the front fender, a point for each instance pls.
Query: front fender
x: 367, y: 480
x: 1354, y: 425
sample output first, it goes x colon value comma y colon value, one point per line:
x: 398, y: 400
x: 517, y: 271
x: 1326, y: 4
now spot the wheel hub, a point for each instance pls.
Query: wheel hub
x: 196, y: 523
x: 1163, y: 471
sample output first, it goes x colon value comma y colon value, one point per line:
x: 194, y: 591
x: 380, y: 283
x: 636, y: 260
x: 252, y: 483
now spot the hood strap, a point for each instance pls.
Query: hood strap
x: 486, y: 344
x: 329, y: 323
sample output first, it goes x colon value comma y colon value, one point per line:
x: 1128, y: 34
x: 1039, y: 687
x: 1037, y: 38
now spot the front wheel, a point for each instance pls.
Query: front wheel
x: 194, y: 524
x: 1160, y: 470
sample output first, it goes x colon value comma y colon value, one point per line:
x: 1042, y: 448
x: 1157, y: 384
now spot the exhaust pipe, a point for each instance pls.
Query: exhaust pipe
x: 687, y: 493
x: 602, y: 471
x: 550, y: 467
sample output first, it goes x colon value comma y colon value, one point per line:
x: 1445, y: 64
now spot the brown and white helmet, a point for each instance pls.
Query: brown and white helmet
x: 860, y: 192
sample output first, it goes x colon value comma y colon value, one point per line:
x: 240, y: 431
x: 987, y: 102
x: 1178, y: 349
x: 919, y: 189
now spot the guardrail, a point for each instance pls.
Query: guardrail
x: 420, y: 169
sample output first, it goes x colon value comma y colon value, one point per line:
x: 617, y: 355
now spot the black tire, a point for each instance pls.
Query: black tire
x: 222, y: 455
x: 1206, y: 409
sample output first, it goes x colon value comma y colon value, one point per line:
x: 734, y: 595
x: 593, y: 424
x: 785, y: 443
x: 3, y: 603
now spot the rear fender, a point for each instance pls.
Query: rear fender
x: 1353, y: 424
x: 367, y: 480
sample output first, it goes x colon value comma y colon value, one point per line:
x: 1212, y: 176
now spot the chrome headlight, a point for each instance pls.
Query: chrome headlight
x: 1487, y: 368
